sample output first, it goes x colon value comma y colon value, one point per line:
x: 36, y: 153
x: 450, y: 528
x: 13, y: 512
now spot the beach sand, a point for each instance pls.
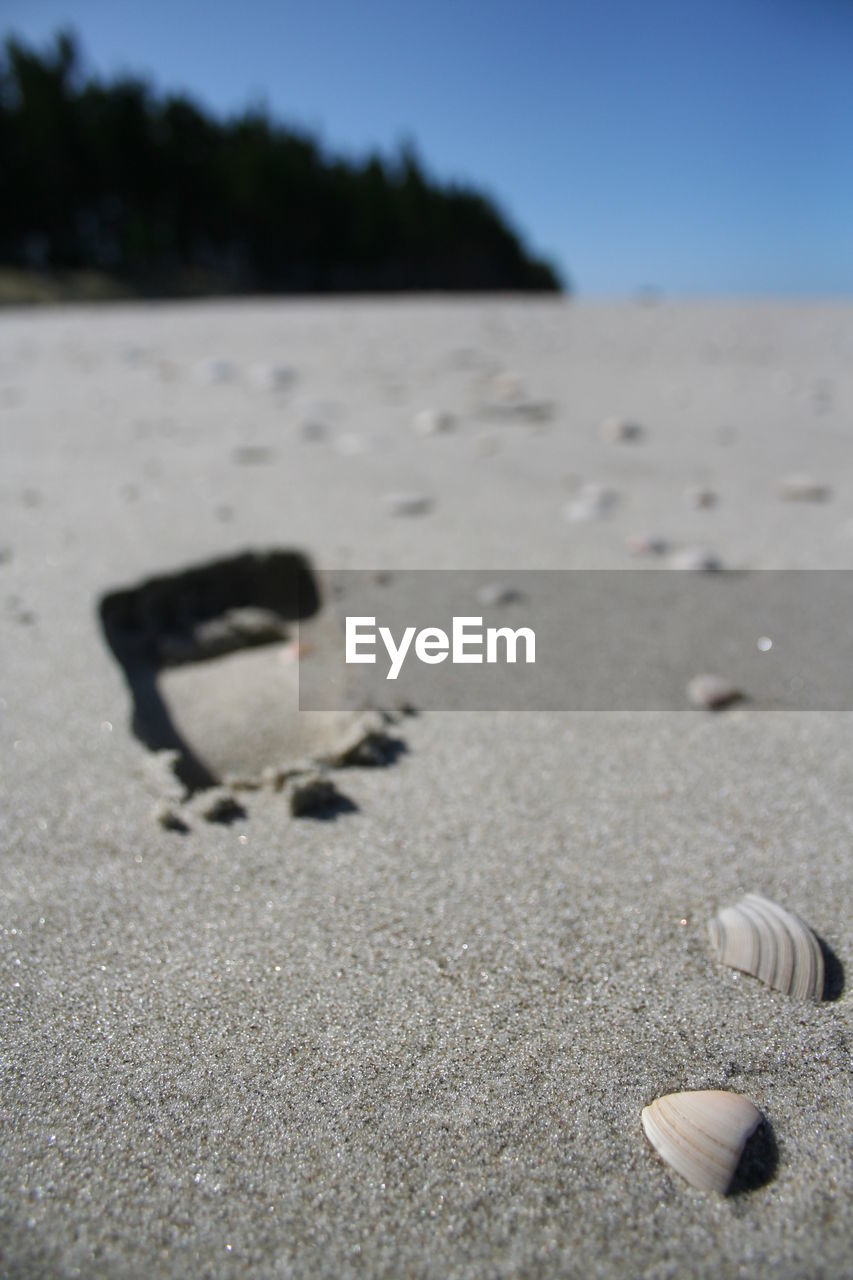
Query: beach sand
x: 414, y: 1040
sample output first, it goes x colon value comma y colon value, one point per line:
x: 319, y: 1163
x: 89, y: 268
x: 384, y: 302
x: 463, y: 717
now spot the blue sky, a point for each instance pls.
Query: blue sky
x: 700, y: 146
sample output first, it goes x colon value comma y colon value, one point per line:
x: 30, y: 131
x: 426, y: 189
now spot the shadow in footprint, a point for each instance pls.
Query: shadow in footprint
x: 225, y: 811
x: 192, y: 617
x: 833, y: 971
x: 378, y: 751
x: 336, y: 807
x: 759, y: 1163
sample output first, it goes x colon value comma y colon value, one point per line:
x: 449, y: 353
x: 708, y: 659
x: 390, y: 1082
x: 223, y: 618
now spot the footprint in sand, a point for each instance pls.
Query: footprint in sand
x: 210, y: 657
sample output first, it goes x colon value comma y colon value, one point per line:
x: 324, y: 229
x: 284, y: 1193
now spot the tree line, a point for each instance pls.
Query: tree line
x: 167, y: 199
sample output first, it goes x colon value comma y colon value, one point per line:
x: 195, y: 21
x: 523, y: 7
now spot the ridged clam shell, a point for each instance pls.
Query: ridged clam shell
x: 702, y: 1134
x: 761, y: 938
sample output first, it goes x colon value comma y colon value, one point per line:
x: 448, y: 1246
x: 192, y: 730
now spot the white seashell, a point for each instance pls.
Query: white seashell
x: 592, y: 502
x: 432, y: 422
x: 407, y: 504
x: 802, y: 488
x: 702, y: 1134
x: 712, y: 692
x: 695, y: 559
x: 620, y: 431
x: 763, y: 939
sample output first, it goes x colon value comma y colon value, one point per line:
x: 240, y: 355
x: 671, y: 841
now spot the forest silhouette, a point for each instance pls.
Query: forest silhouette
x: 163, y: 198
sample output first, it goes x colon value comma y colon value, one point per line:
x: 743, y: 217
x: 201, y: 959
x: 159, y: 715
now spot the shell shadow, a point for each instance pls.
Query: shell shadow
x: 759, y: 1162
x: 833, y: 971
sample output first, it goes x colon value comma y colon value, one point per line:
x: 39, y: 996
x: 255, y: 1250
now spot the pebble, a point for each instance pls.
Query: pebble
x: 621, y: 431
x: 800, y: 487
x: 407, y: 504
x: 712, y: 692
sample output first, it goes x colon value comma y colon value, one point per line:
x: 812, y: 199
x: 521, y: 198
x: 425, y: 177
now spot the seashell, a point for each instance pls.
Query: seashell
x: 702, y: 1134
x: 272, y: 377
x: 432, y: 422
x: 407, y: 504
x: 505, y: 396
x: 507, y: 387
x: 494, y: 594
x: 802, y: 488
x: 646, y: 544
x: 699, y: 498
x: 620, y: 431
x: 215, y: 371
x: 712, y: 692
x: 592, y: 502
x: 695, y: 559
x: 761, y: 938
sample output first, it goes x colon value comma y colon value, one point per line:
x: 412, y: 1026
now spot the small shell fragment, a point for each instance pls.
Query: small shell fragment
x: 712, y: 693
x: 272, y: 377
x: 432, y: 422
x: 620, y: 431
x: 695, y: 559
x: 699, y: 498
x: 407, y: 504
x: 646, y: 544
x: 494, y: 594
x: 763, y: 939
x: 592, y: 502
x: 702, y: 1134
x: 216, y: 371
x: 803, y: 488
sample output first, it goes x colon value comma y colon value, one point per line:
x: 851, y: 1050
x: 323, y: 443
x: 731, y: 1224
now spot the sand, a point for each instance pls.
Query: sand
x: 414, y: 1039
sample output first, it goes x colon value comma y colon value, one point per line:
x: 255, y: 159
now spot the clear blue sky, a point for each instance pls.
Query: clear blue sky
x: 702, y: 146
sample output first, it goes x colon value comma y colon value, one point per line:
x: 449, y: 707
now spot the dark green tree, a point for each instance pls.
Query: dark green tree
x: 168, y: 199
